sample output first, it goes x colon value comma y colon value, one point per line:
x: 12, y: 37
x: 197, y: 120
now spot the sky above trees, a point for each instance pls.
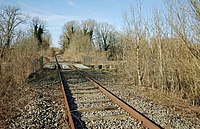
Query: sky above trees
x: 58, y: 12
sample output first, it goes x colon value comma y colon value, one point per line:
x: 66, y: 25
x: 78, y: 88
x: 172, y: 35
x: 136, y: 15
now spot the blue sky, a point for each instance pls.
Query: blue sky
x: 58, y: 12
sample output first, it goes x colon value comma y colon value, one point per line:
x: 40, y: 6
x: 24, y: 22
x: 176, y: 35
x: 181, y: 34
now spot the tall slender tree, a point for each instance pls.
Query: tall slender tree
x: 10, y: 19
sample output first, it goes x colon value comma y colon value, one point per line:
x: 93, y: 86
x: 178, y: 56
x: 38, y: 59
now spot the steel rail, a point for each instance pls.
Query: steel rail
x: 133, y: 112
x: 71, y: 122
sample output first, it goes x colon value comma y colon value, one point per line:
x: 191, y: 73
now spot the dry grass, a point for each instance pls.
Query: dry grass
x: 74, y: 56
x: 15, y: 68
x: 174, y: 101
x: 92, y: 57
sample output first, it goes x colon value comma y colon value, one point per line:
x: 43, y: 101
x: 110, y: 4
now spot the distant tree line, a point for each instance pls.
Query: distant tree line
x: 89, y: 35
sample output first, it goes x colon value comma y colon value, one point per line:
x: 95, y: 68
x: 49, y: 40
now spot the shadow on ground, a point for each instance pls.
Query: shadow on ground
x: 76, y: 115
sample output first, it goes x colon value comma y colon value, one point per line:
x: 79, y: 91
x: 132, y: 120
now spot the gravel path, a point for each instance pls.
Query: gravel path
x: 45, y: 107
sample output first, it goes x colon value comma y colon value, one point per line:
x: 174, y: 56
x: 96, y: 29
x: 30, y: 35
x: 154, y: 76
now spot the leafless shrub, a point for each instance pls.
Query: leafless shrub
x: 161, y: 59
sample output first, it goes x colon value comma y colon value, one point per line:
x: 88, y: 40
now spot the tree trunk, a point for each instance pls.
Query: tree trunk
x: 138, y: 67
x: 160, y: 60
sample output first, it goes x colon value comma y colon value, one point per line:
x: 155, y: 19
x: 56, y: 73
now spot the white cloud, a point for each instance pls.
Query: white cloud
x: 72, y: 4
x: 30, y: 8
x: 44, y: 15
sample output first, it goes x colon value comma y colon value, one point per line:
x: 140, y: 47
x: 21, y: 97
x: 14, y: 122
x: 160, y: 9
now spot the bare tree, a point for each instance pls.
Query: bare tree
x: 157, y: 20
x: 182, y: 24
x: 103, y: 31
x: 10, y: 19
x: 137, y: 34
x: 195, y: 6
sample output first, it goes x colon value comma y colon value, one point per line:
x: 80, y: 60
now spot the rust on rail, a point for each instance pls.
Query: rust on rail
x: 133, y: 112
x: 65, y: 98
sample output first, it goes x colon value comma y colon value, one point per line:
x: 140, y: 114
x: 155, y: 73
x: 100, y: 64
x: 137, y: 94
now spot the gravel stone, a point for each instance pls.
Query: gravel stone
x: 162, y: 115
x: 44, y: 110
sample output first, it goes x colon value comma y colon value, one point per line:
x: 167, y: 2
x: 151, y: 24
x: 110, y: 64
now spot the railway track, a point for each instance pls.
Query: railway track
x: 90, y: 105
